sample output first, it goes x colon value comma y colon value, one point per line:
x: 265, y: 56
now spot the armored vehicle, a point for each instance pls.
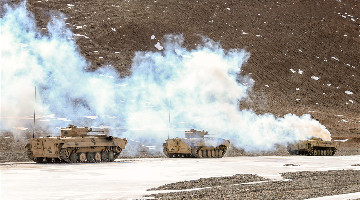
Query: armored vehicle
x: 195, y: 144
x: 313, y: 147
x: 75, y: 145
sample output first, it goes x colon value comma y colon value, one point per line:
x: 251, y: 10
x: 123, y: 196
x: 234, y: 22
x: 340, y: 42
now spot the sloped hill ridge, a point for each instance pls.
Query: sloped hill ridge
x: 304, y: 54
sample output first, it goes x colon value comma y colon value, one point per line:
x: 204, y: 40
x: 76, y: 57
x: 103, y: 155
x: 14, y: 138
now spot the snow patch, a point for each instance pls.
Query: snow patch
x: 79, y: 35
x: 315, y: 78
x: 158, y: 46
x: 335, y: 58
x: 349, y: 92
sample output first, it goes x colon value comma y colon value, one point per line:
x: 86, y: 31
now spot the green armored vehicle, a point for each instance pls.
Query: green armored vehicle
x: 313, y: 147
x: 195, y: 145
x: 75, y: 145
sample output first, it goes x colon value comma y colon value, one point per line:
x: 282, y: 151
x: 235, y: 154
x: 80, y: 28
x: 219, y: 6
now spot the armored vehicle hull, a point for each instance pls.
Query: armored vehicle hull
x: 313, y: 147
x: 76, y: 147
x: 195, y: 145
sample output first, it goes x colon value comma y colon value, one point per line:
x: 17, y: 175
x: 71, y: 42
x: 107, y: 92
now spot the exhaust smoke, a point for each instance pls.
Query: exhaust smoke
x: 200, y: 88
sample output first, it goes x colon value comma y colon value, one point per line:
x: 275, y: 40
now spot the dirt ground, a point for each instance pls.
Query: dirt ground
x: 295, y: 186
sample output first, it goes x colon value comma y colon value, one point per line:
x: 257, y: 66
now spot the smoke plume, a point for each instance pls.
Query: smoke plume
x: 169, y: 91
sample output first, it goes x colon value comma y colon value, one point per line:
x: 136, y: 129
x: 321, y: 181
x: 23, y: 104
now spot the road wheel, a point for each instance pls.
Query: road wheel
x: 204, y: 153
x: 97, y: 157
x: 90, y: 157
x: 74, y: 157
x: 104, y: 156
x: 223, y: 152
x: 39, y: 160
x: 82, y: 157
x: 111, y: 156
x: 199, y: 153
x: 65, y: 154
x: 220, y: 153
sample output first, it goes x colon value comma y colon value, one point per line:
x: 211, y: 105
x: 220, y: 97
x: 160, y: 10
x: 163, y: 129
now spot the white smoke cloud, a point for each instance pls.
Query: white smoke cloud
x: 199, y: 88
x: 54, y: 65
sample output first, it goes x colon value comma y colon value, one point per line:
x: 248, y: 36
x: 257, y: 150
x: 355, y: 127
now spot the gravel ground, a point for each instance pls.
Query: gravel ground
x: 296, y: 185
x: 211, y: 182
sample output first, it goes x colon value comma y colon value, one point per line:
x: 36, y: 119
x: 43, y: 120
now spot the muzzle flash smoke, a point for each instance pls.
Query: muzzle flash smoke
x: 201, y: 88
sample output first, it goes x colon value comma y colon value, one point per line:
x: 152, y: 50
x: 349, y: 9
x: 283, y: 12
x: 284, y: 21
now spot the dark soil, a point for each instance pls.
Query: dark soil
x: 211, y: 182
x: 300, y: 185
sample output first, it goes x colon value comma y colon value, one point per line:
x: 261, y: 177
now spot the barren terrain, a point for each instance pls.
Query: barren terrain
x: 271, y: 177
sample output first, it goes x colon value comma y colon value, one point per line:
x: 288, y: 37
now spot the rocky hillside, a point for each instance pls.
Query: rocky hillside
x: 304, y: 54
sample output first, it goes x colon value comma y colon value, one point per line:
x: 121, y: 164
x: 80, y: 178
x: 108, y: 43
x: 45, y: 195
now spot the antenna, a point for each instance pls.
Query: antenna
x: 34, y: 115
x: 169, y: 126
x: 169, y: 122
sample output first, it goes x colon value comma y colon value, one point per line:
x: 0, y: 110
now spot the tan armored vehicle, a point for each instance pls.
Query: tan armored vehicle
x: 75, y: 145
x: 313, y: 147
x: 195, y: 145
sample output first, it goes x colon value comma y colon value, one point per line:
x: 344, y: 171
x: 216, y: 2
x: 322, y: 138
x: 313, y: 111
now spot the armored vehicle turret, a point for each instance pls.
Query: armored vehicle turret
x: 313, y: 147
x: 195, y: 145
x: 75, y: 145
